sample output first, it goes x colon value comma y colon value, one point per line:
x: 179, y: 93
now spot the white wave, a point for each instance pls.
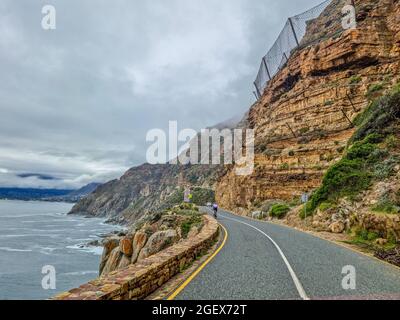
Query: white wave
x: 14, y: 250
x: 45, y: 250
x: 18, y: 216
x: 97, y: 251
x: 81, y: 273
x: 28, y: 235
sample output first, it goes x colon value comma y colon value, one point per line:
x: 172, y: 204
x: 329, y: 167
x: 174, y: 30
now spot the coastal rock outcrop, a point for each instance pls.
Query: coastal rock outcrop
x: 157, y: 242
x: 150, y: 235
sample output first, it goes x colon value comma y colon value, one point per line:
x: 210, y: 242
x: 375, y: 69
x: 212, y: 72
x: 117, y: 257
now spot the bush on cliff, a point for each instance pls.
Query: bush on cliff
x: 365, y: 155
x: 192, y: 221
x: 202, y: 196
x: 279, y: 210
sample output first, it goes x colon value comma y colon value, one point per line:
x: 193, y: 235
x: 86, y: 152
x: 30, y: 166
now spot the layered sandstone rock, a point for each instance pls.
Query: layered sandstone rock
x: 304, y: 119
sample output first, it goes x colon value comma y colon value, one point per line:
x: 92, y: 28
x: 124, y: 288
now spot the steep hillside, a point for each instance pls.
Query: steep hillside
x: 305, y: 117
x: 147, y: 188
x: 153, y: 188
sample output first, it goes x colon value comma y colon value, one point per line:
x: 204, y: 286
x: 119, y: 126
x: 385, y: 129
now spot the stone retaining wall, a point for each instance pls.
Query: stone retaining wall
x: 139, y: 280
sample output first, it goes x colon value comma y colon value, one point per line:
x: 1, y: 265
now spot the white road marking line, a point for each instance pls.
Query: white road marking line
x: 296, y: 280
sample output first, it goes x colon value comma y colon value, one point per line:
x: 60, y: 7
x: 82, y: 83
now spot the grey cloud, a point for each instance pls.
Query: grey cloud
x: 77, y: 102
x: 37, y: 175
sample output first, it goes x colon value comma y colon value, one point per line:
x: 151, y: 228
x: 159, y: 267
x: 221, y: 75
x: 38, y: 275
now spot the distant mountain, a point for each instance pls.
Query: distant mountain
x: 75, y: 195
x: 58, y: 195
x: 30, y: 193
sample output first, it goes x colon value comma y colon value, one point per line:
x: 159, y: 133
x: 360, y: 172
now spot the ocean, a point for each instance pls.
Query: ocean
x: 38, y: 234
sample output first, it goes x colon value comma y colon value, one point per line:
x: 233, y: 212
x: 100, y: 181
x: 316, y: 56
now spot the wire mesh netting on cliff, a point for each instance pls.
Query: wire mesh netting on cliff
x: 302, y: 30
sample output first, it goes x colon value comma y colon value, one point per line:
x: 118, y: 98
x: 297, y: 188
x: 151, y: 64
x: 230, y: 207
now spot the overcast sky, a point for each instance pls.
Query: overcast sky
x: 76, y: 102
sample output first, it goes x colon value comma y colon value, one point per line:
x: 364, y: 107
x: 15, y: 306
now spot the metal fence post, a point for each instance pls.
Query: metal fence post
x: 294, y: 32
x: 266, y: 68
x: 257, y: 90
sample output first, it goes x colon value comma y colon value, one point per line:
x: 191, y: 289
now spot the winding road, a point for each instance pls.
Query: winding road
x: 265, y: 261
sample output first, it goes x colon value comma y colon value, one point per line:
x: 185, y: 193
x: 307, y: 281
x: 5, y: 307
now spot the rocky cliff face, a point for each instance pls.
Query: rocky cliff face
x: 304, y: 119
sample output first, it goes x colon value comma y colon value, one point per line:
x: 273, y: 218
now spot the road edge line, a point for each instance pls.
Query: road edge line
x: 316, y: 235
x: 296, y: 281
x: 199, y: 269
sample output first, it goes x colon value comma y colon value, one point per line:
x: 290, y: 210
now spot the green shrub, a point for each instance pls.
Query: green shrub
x: 279, y: 210
x: 397, y: 198
x: 365, y: 160
x: 392, y: 142
x: 328, y: 103
x: 360, y: 150
x: 188, y: 206
x: 355, y: 79
x: 185, y: 229
x: 378, y: 117
x: 374, y: 89
x: 372, y: 236
x: 186, y: 226
x: 391, y: 237
x: 386, y: 206
x: 377, y: 156
x: 373, y: 138
x: 304, y: 130
x: 362, y: 117
x: 324, y: 206
x: 202, y: 196
x: 365, y: 235
x: 385, y: 169
x: 345, y: 178
x: 284, y: 166
x: 396, y: 88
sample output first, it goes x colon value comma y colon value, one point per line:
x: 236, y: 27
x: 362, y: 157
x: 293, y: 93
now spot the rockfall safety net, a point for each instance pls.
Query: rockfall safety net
x: 299, y: 31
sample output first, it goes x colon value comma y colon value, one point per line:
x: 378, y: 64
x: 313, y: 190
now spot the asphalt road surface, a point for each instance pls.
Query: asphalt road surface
x: 264, y: 261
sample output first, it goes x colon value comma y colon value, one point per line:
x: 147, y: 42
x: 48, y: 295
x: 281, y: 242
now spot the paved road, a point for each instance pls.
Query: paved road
x: 264, y: 261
